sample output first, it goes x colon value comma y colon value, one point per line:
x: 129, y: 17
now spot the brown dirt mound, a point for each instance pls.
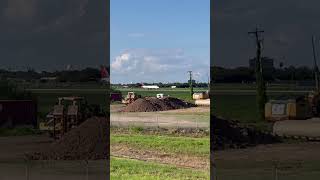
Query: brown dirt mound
x: 89, y: 141
x: 230, y: 134
x: 151, y: 104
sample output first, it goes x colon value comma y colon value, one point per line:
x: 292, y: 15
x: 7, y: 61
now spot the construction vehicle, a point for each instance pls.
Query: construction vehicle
x: 160, y: 96
x: 67, y: 114
x: 131, y: 97
x: 202, y: 98
x: 297, y: 117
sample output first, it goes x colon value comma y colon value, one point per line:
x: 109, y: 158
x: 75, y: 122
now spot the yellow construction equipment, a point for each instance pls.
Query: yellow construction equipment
x: 131, y: 96
x: 201, y: 99
x: 297, y: 117
x: 68, y: 113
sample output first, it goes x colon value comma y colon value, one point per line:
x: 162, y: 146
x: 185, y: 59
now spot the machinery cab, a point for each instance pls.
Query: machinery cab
x: 66, y: 114
x: 277, y: 110
x: 314, y: 101
x: 131, y: 96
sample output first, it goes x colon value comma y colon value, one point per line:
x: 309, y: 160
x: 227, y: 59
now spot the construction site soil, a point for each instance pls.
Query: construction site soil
x: 150, y: 104
x: 89, y: 141
x: 230, y: 134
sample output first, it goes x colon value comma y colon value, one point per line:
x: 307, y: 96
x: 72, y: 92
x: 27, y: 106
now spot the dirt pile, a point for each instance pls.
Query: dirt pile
x: 230, y: 134
x: 88, y: 141
x: 151, y: 104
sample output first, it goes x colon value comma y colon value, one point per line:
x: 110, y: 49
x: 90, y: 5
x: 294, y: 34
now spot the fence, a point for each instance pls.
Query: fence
x: 53, y: 170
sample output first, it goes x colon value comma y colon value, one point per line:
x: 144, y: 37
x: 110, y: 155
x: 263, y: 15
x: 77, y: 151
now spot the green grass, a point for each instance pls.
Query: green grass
x: 19, y: 131
x: 239, y: 86
x: 242, y: 107
x: 48, y: 98
x: 168, y: 144
x: 123, y: 169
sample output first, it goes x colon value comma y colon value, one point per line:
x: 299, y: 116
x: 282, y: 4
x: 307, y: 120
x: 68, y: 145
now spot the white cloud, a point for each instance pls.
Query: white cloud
x: 120, y: 61
x: 156, y: 65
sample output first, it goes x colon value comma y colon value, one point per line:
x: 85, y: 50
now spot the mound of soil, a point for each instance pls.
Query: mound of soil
x: 230, y: 134
x: 89, y: 141
x: 150, y: 104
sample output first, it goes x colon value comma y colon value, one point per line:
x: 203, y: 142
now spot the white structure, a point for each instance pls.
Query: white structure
x: 160, y: 96
x: 173, y: 87
x: 150, y: 87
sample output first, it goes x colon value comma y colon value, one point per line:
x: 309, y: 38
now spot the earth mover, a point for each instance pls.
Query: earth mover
x: 68, y: 113
x: 131, y: 97
x: 202, y: 98
x: 299, y: 117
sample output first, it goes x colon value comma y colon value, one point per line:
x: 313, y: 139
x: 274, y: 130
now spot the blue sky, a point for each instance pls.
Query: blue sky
x: 159, y: 40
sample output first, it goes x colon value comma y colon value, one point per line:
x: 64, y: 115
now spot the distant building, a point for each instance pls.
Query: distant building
x: 267, y: 63
x: 48, y: 78
x: 173, y: 87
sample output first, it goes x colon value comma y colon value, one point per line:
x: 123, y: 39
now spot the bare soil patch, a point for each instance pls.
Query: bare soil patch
x: 88, y: 141
x: 177, y: 160
x: 15, y: 147
x: 230, y: 134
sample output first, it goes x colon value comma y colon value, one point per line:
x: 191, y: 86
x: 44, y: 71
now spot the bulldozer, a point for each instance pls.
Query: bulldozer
x: 202, y: 98
x: 68, y: 113
x: 131, y: 97
x: 299, y: 117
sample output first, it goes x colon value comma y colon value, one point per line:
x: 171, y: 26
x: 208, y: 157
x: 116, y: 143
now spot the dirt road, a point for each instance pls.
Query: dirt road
x: 197, y: 117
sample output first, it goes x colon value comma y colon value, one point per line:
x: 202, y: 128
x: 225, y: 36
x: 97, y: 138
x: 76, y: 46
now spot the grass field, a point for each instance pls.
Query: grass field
x: 124, y: 169
x: 241, y: 106
x: 48, y: 97
x: 165, y: 144
x: 158, y: 156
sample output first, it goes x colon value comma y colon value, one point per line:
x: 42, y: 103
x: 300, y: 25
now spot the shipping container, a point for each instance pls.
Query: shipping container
x: 15, y: 113
x: 116, y: 96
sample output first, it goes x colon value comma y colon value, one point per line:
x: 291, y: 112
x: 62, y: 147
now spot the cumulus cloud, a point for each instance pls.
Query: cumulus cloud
x: 156, y: 65
x: 120, y: 61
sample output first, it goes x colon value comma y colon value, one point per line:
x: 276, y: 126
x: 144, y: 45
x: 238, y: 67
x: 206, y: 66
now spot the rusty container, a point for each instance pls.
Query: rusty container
x: 15, y: 113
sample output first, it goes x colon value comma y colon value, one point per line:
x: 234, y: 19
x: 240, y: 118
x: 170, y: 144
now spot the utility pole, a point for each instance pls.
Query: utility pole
x: 261, y: 87
x: 190, y: 83
x: 316, y: 69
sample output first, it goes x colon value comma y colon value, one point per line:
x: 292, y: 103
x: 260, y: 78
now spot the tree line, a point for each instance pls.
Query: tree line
x: 247, y: 75
x: 84, y: 75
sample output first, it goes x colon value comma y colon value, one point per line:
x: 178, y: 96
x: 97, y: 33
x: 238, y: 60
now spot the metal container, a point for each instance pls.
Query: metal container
x: 18, y: 113
x: 116, y: 96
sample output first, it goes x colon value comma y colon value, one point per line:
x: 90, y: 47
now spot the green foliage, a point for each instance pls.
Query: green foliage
x: 9, y: 90
x: 20, y: 131
x: 246, y: 74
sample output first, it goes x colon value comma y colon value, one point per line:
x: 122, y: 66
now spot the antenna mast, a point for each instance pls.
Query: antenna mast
x: 316, y: 70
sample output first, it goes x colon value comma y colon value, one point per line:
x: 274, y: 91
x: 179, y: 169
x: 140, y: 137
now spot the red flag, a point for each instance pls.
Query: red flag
x: 104, y: 72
